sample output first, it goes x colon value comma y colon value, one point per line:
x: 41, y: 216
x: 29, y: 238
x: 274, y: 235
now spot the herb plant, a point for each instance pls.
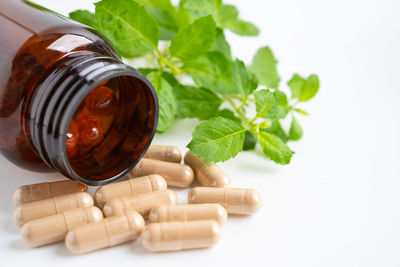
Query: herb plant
x: 196, y: 47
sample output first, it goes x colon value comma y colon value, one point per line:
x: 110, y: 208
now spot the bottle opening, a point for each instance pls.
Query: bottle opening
x: 111, y: 128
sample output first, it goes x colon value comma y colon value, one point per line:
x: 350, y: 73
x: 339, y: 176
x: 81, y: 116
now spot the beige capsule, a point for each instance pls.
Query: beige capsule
x: 164, y: 153
x: 53, y: 228
x: 241, y: 201
x: 131, y: 187
x: 109, y: 232
x: 188, y: 212
x: 178, y: 175
x: 47, y: 207
x: 174, y: 236
x: 34, y: 192
x: 208, y: 174
x: 142, y: 203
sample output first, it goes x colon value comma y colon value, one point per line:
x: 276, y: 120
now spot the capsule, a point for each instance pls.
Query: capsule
x: 235, y: 200
x: 142, y: 203
x: 175, y: 236
x: 47, y: 207
x: 53, y: 228
x: 34, y: 192
x: 208, y: 174
x: 164, y: 153
x: 131, y: 187
x: 106, y: 233
x: 188, y: 212
x: 178, y: 175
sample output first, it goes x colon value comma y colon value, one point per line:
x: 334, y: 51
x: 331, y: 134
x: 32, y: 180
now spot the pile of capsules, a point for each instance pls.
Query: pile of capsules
x: 56, y: 211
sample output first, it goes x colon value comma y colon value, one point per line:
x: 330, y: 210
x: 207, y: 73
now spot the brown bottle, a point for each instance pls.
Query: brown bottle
x: 67, y: 102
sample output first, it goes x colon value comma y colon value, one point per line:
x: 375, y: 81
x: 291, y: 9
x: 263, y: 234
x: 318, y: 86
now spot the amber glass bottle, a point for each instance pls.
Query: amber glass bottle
x: 67, y: 102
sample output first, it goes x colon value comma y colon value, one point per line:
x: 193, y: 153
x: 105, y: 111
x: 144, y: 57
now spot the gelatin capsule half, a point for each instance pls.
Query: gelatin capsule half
x: 109, y: 232
x: 241, y: 201
x: 175, y: 236
x: 53, y: 228
x: 164, y: 153
x: 47, y: 207
x: 188, y: 212
x: 131, y: 187
x: 34, y: 192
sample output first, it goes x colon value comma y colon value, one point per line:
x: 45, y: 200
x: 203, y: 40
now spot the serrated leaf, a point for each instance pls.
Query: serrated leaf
x: 217, y: 139
x: 85, y: 17
x: 213, y: 71
x: 166, y: 101
x: 200, y: 8
x: 295, y: 132
x: 228, y: 114
x: 128, y: 25
x: 196, y: 102
x: 249, y: 141
x: 264, y: 67
x: 274, y: 148
x: 276, y: 129
x: 279, y: 109
x: 244, y: 82
x: 194, y: 40
x: 220, y: 44
x: 264, y: 101
x: 303, y: 89
x: 228, y: 18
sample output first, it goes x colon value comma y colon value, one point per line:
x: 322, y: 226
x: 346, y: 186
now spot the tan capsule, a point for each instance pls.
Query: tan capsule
x: 142, y: 203
x: 178, y: 175
x: 53, y: 228
x: 109, y: 232
x: 164, y: 153
x: 47, y: 207
x: 208, y: 174
x: 174, y: 236
x: 131, y: 187
x: 34, y: 192
x: 235, y: 200
x: 188, y: 212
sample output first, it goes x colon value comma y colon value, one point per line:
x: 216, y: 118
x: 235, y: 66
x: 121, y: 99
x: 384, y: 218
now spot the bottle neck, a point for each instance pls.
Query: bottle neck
x: 58, y: 96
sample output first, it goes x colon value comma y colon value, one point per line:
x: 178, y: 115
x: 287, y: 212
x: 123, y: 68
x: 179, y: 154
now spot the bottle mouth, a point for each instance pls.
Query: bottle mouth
x: 98, y: 121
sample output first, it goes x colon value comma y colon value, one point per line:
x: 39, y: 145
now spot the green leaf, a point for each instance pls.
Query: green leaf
x: 228, y: 114
x: 170, y: 78
x: 274, y: 148
x: 196, y: 102
x: 228, y: 18
x: 84, y: 17
x: 264, y: 101
x: 276, y: 129
x: 220, y: 44
x: 280, y: 108
x: 264, y: 67
x: 217, y: 139
x: 200, y: 8
x: 244, y: 82
x: 166, y: 21
x: 128, y: 25
x: 310, y: 88
x: 213, y: 71
x: 303, y: 89
x: 166, y: 101
x: 249, y: 141
x: 194, y: 40
x: 296, y: 132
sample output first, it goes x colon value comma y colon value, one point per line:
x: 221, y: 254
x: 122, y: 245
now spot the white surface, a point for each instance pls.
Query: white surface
x: 337, y: 203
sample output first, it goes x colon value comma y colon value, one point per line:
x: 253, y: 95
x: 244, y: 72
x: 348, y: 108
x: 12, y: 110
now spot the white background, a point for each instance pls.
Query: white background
x: 337, y: 203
